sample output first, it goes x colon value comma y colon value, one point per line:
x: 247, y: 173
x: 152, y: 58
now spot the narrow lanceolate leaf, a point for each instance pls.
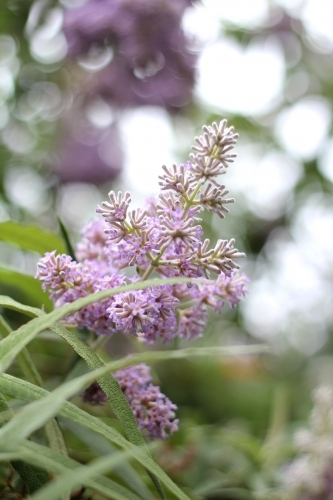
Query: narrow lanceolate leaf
x: 23, y: 358
x: 26, y: 284
x: 110, y: 386
x: 23, y: 390
x: 33, y: 477
x: 66, y: 238
x: 31, y: 237
x: 80, y: 475
x: 30, y: 372
x: 72, y: 473
x: 34, y: 415
x: 12, y: 345
x: 9, y: 303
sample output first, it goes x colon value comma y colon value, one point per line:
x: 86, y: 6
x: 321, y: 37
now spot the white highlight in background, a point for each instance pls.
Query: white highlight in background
x: 148, y: 139
x: 317, y: 17
x: 247, y: 13
x: 248, y: 82
x: 302, y: 128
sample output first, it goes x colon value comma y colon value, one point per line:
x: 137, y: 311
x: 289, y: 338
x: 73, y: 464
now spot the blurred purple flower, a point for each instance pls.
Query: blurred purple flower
x: 151, y: 62
x: 86, y: 153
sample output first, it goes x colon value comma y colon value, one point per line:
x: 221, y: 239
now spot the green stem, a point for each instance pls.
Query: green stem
x: 190, y: 201
x: 150, y: 269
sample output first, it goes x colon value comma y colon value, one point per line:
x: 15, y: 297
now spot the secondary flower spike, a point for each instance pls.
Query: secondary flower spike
x: 153, y: 411
x: 164, y: 239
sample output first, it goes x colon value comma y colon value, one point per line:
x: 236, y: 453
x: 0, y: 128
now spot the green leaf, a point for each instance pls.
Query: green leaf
x: 29, y: 370
x: 31, y: 237
x: 23, y: 390
x: 102, y: 447
x: 34, y: 415
x: 65, y: 236
x: 26, y: 284
x: 72, y: 473
x: 81, y: 475
x: 33, y: 477
x: 110, y: 386
x: 9, y: 303
x: 12, y: 345
x: 27, y: 366
x: 55, y: 437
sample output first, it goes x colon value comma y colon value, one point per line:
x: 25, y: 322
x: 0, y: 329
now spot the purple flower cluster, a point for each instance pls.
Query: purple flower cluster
x: 68, y: 280
x: 128, y: 245
x: 150, y: 63
x: 153, y: 411
x: 164, y: 237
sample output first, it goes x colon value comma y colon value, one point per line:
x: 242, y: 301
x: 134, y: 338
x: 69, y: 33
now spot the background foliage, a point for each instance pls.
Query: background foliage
x: 266, y: 66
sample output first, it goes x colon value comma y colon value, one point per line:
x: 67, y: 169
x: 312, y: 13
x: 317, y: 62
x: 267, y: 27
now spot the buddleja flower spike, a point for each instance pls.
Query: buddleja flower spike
x: 163, y: 238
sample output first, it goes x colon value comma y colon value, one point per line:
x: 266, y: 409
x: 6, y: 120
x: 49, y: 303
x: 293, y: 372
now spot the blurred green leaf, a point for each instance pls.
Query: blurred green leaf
x: 66, y: 238
x: 9, y: 303
x: 190, y: 352
x: 248, y: 444
x: 52, y: 429
x: 31, y: 237
x: 33, y: 477
x: 72, y: 473
x: 82, y: 474
x: 116, y: 398
x: 101, y: 447
x: 28, y: 285
x: 27, y: 366
x: 34, y: 415
x: 25, y: 391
